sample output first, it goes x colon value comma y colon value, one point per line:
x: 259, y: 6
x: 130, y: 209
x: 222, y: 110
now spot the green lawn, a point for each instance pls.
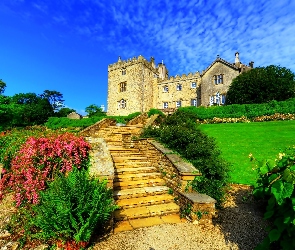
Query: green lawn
x: 237, y: 140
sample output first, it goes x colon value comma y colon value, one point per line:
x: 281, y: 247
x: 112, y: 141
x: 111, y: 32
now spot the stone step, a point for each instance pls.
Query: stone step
x: 136, y: 177
x: 136, y: 164
x: 139, y: 192
x: 144, y: 201
x: 128, y: 158
x: 114, y: 149
x: 120, y: 185
x: 132, y: 170
x: 146, y: 211
x: 132, y: 224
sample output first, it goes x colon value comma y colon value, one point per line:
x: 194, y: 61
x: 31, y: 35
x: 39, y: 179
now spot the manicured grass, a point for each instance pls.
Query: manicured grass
x: 237, y: 140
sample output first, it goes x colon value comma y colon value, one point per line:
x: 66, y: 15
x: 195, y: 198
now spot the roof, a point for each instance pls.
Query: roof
x: 218, y: 59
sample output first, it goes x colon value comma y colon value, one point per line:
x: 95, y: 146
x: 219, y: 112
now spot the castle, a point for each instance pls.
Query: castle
x: 139, y: 85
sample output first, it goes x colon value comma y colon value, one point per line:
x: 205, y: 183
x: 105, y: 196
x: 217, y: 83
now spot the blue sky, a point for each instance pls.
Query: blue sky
x: 66, y: 45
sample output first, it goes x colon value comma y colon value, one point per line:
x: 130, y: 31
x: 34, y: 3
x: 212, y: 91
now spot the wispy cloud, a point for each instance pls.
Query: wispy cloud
x: 187, y: 35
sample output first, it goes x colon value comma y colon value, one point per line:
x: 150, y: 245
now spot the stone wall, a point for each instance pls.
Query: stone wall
x: 94, y: 129
x: 174, y: 94
x: 198, y: 208
x: 101, y: 163
x: 209, y: 88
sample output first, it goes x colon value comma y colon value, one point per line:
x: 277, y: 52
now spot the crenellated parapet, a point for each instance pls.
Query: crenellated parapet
x: 132, y: 61
x: 182, y: 77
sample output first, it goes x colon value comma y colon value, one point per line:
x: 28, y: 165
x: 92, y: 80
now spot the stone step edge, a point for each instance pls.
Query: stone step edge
x: 146, y: 211
x: 144, y: 201
x: 132, y: 224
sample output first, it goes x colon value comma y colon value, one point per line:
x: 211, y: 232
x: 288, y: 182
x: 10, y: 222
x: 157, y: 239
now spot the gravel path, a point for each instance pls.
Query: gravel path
x: 239, y: 225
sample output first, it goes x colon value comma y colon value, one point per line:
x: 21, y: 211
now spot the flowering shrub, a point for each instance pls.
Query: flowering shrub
x: 274, y: 117
x: 40, y: 160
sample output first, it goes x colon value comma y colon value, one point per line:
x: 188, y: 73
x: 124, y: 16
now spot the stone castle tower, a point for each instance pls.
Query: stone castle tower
x: 137, y: 85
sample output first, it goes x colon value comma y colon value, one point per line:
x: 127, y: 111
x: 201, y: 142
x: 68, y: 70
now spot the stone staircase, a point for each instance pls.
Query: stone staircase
x: 139, y: 188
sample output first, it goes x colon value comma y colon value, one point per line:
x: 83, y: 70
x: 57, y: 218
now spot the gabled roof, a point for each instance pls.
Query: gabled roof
x: 218, y: 59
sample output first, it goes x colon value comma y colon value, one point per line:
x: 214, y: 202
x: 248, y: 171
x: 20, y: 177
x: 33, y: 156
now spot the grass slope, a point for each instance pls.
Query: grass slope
x: 237, y: 140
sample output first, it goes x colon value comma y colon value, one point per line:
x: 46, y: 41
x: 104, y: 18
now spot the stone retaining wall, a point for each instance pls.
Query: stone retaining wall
x: 93, y: 129
x: 101, y: 163
x: 198, y: 208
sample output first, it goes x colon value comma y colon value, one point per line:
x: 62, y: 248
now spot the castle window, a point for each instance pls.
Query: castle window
x: 211, y: 100
x: 122, y: 104
x: 179, y: 87
x: 217, y: 98
x: 123, y: 86
x: 194, y: 85
x: 124, y: 72
x: 218, y: 79
x: 165, y: 88
x: 223, y: 99
x: 178, y: 104
x: 194, y: 102
x: 165, y: 105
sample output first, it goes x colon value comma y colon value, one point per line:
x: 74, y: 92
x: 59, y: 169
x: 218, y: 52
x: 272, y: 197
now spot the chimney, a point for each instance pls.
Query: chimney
x: 251, y: 64
x: 119, y: 59
x: 153, y: 62
x: 237, y: 59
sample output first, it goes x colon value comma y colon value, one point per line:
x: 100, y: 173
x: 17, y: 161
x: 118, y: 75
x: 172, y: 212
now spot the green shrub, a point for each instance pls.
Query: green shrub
x: 72, y: 208
x: 181, y: 133
x: 155, y: 111
x: 276, y: 186
x: 247, y: 110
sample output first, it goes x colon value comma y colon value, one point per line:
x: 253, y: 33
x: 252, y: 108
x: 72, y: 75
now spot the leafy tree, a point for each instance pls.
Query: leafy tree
x: 55, y: 98
x: 261, y: 85
x: 94, y: 110
x: 29, y: 109
x: 63, y: 112
x: 2, y: 86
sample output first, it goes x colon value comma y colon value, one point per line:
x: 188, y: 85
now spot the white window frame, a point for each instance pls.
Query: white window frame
x: 178, y: 104
x: 193, y: 85
x: 194, y: 102
x: 211, y: 100
x: 178, y: 87
x: 217, y: 98
x: 122, y: 104
x: 165, y: 105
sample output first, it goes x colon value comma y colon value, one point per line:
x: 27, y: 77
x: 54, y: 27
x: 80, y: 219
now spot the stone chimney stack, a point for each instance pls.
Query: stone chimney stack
x: 153, y: 62
x: 237, y: 59
x: 162, y: 70
x: 251, y: 64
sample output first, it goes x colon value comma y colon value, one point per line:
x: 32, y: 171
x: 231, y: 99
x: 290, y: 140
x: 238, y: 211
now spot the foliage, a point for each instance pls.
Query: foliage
x: 248, y: 111
x: 276, y: 185
x: 180, y: 133
x: 72, y: 208
x: 12, y: 140
x: 40, y: 160
x: 262, y: 84
x: 94, y: 110
x: 64, y: 122
x: 55, y: 98
x: 63, y: 112
x: 155, y: 111
x: 2, y: 86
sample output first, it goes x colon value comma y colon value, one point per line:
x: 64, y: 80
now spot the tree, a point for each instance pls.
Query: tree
x: 55, y: 98
x: 2, y: 86
x: 63, y: 112
x: 262, y: 84
x: 30, y: 109
x: 94, y: 110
